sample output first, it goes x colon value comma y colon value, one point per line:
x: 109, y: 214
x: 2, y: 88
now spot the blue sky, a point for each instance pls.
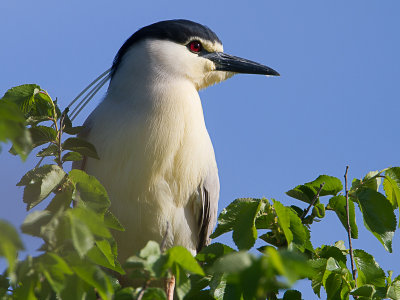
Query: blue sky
x: 337, y: 102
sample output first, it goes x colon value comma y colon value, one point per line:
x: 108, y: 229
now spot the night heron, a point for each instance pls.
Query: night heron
x: 157, y: 161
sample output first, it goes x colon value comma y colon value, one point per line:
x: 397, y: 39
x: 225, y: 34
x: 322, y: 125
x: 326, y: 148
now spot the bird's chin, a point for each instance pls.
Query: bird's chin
x: 212, y: 78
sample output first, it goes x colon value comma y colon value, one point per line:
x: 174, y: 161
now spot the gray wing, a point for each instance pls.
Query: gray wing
x: 209, y: 194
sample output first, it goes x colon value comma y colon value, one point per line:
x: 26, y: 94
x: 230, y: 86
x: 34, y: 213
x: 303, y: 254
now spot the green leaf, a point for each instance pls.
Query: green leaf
x: 302, y: 192
x: 34, y: 221
x: 227, y: 219
x: 251, y: 279
x: 35, y: 120
x: 182, y: 282
x: 92, y: 220
x: 340, y: 244
x: 72, y: 156
x: 54, y: 268
x: 332, y: 185
x: 105, y: 247
x: 125, y: 294
x: 307, y: 191
x: 265, y: 220
x: 233, y: 262
x: 23, y: 96
x: 197, y: 285
x: 81, y: 146
x: 292, y: 295
x: 291, y: 225
x: 332, y: 265
x: 12, y: 128
x: 150, y: 259
x: 338, y: 205
x: 244, y: 231
x: 135, y: 262
x: 152, y: 249
x: 4, y: 285
x: 104, y: 257
x: 90, y: 191
x: 393, y: 291
x: 51, y: 150
x: 212, y: 252
x: 82, y: 236
x: 331, y: 273
x: 179, y: 255
x: 44, y: 106
x: 26, y: 290
x: 364, y: 291
x: 283, y: 214
x: 40, y: 182
x: 94, y: 276
x: 319, y: 210
x: 42, y: 134
x: 332, y: 284
x: 369, y: 271
x: 291, y: 264
x: 332, y: 251
x: 391, y: 185
x: 67, y: 121
x: 372, y: 181
x: 10, y: 244
x: 218, y: 286
x: 54, y: 229
x: 73, y: 130
x: 75, y: 288
x: 112, y: 222
x: 154, y: 294
x: 378, y: 215
x: 61, y: 200
x: 319, y: 266
x: 31, y: 99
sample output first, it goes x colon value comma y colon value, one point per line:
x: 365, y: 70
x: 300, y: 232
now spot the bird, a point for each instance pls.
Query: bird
x: 157, y: 160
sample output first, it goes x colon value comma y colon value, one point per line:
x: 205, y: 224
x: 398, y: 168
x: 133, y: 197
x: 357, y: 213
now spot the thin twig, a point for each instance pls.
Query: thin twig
x: 144, y: 288
x: 312, y: 202
x: 353, y: 269
x: 39, y: 163
x: 60, y: 132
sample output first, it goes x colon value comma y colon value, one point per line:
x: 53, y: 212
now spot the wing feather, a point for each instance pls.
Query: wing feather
x: 209, y: 194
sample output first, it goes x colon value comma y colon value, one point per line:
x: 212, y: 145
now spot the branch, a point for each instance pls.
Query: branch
x: 60, y: 132
x: 312, y: 202
x: 353, y: 269
x: 144, y: 288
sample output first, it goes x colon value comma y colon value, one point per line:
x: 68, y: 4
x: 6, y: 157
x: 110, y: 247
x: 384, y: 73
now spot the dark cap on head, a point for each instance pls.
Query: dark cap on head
x: 179, y: 31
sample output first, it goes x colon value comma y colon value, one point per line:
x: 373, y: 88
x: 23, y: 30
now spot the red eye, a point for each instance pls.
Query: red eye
x: 195, y: 46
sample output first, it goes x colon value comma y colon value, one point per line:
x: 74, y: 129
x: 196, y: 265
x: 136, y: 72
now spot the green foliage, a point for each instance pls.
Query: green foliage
x: 12, y: 128
x: 40, y: 182
x: 78, y: 258
x: 306, y: 192
x: 9, y: 246
x: 338, y: 205
x: 80, y: 146
x: 378, y: 215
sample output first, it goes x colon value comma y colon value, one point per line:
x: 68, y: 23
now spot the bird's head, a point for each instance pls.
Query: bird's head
x: 182, y: 49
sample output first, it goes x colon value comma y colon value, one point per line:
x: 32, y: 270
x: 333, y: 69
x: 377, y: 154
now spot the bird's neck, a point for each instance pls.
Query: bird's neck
x: 142, y: 83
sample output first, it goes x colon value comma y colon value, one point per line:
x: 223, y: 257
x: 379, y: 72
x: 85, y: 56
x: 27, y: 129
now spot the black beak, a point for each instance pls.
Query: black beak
x: 230, y: 63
